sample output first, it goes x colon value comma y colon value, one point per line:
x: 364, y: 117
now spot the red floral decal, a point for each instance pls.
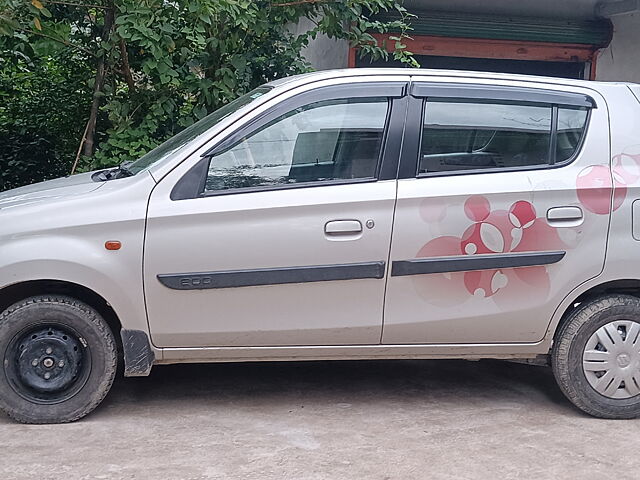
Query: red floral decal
x: 492, y: 231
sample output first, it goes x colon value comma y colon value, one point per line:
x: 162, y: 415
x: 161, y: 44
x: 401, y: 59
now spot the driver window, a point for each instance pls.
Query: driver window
x: 320, y: 142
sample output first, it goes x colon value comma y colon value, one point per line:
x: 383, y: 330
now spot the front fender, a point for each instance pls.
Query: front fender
x: 114, y: 275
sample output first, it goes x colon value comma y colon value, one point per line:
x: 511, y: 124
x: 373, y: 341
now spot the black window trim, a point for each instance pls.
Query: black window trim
x: 410, y: 161
x: 192, y: 184
x: 504, y: 93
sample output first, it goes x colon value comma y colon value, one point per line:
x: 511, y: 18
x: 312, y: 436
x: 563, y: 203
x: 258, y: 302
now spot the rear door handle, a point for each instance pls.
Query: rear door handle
x: 343, y: 227
x: 569, y: 216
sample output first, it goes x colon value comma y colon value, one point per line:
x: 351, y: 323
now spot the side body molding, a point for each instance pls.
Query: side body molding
x: 272, y: 276
x: 462, y: 263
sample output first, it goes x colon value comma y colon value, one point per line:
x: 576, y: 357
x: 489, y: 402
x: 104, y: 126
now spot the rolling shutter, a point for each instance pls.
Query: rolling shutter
x: 597, y: 32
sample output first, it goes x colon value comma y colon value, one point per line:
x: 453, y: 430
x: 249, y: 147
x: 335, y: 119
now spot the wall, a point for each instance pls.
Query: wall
x: 324, y: 53
x: 621, y: 60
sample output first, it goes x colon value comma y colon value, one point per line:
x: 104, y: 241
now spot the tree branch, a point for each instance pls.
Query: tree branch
x: 59, y: 40
x: 298, y: 2
x: 56, y: 2
x: 98, y: 85
x: 124, y: 57
x: 75, y: 162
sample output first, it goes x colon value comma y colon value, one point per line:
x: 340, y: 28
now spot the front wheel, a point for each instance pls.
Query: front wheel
x: 596, y: 357
x: 59, y: 360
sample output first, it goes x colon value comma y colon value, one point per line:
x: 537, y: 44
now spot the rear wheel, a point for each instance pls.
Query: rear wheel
x: 59, y: 360
x: 596, y: 357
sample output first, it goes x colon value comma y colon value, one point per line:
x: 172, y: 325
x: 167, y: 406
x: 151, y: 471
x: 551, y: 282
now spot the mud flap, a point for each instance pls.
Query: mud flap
x: 138, y: 355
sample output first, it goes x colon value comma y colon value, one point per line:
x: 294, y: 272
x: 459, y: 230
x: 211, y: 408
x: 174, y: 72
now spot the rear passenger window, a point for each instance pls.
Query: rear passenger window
x: 470, y: 135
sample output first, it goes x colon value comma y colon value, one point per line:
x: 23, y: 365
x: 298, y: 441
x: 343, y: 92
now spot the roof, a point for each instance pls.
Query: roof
x: 426, y: 72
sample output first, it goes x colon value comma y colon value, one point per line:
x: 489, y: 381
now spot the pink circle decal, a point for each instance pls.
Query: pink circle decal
x: 477, y: 208
x: 482, y: 238
x: 594, y: 189
x: 441, y: 247
x: 522, y: 214
x: 627, y: 168
x: 433, y: 210
x: 485, y: 283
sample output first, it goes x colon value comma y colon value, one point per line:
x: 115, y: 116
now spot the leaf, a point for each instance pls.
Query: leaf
x: 162, y: 67
x: 239, y: 62
x: 37, y: 4
x: 200, y: 112
x: 36, y: 22
x: 8, y: 26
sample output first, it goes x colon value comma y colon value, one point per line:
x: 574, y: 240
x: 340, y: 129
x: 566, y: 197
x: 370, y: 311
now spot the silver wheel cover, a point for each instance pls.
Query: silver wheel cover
x: 611, y: 360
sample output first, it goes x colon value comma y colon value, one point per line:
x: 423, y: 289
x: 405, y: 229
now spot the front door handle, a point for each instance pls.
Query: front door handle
x: 343, y: 227
x: 569, y: 216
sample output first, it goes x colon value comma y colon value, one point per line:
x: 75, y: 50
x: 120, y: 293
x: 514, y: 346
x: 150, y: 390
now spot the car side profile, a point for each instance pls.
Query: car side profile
x: 355, y: 214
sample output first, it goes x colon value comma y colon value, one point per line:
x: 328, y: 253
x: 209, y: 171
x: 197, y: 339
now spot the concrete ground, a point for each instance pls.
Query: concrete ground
x: 344, y: 420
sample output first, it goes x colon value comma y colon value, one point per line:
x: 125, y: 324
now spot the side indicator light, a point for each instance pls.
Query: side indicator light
x: 112, y: 245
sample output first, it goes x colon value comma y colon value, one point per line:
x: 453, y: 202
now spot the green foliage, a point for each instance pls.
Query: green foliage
x: 166, y: 64
x: 43, y: 106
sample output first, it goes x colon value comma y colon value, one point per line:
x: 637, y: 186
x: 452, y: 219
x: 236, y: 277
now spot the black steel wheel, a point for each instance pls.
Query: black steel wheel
x: 59, y: 360
x: 47, y: 364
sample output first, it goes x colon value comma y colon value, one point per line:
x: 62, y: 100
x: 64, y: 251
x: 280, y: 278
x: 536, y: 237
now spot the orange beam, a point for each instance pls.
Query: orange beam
x: 483, y: 48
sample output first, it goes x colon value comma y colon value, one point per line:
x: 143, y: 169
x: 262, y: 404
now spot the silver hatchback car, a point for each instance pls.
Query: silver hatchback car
x: 357, y: 214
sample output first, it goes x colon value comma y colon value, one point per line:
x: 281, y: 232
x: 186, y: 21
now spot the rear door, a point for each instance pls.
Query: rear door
x: 503, y: 208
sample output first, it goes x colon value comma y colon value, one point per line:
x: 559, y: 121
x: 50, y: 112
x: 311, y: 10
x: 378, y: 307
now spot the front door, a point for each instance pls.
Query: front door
x: 286, y: 242
x: 503, y: 209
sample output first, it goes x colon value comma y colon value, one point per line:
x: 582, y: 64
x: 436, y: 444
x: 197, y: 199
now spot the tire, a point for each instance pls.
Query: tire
x: 59, y: 360
x: 591, y: 360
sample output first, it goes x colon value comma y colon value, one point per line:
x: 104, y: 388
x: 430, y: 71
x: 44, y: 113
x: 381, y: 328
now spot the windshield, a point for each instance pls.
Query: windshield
x: 181, y: 139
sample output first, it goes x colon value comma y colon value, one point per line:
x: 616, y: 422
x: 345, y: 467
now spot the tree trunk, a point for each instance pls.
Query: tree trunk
x: 98, y: 86
x: 93, y: 113
x: 126, y: 69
